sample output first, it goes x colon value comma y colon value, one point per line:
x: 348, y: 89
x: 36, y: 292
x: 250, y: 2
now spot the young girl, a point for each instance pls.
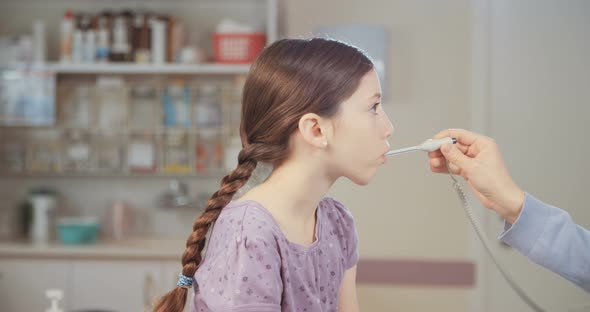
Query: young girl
x: 310, y: 109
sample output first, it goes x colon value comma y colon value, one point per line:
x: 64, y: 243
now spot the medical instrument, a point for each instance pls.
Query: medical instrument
x: 431, y: 145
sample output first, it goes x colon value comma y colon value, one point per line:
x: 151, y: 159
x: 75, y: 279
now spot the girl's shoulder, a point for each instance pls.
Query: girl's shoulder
x: 247, y: 217
x: 337, y: 212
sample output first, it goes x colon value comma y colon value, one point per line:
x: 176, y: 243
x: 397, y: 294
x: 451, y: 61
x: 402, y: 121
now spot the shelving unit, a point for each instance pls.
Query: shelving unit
x: 135, y: 69
x: 201, y: 15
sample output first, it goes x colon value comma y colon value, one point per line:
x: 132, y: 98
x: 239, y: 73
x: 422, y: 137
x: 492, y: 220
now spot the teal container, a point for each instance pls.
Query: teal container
x: 77, y: 231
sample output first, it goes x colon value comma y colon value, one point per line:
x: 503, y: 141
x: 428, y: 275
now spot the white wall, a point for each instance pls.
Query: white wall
x: 537, y: 109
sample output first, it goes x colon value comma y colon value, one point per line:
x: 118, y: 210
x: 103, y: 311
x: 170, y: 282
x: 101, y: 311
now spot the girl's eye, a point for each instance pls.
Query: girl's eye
x: 374, y: 108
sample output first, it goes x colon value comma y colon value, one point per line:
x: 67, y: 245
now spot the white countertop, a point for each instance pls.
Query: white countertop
x: 129, y: 249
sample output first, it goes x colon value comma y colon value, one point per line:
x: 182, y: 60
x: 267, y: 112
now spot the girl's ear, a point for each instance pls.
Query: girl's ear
x: 315, y: 130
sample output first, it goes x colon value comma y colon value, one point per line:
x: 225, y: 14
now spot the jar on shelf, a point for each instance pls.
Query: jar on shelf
x: 207, y: 106
x: 76, y: 151
x: 209, y: 152
x: 12, y: 150
x: 142, y: 153
x: 27, y: 94
x: 176, y: 151
x: 232, y: 99
x: 111, y: 94
x: 143, y: 107
x: 108, y: 151
x: 43, y: 153
x: 176, y: 104
x: 77, y: 106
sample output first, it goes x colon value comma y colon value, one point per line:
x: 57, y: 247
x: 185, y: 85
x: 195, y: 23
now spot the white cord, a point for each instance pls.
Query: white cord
x: 483, y: 238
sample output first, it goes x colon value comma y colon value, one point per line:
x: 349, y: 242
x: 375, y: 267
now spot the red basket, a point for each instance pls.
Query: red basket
x: 237, y: 48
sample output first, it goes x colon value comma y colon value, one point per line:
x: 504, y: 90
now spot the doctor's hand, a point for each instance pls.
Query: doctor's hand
x: 478, y: 160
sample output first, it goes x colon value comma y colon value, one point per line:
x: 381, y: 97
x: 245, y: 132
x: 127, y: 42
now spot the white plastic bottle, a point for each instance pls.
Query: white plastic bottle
x: 158, y: 41
x: 77, y: 46
x: 89, y: 46
x: 55, y: 295
x: 102, y: 48
x: 102, y: 44
x: 43, y: 211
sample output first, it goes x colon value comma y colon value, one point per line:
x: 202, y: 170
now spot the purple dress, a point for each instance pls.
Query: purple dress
x: 251, y: 266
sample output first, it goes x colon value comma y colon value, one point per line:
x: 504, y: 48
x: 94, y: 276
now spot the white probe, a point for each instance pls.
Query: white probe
x: 429, y: 145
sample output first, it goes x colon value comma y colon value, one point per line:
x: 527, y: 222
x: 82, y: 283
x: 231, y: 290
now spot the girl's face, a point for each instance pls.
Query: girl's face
x: 361, y: 129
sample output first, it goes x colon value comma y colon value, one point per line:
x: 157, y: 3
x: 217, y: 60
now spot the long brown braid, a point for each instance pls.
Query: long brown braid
x: 291, y: 77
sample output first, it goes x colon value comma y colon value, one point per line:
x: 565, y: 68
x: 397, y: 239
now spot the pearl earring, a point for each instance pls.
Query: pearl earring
x: 325, y: 143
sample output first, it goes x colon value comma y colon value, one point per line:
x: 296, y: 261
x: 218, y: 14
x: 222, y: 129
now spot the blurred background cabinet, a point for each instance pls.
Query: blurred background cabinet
x: 88, y: 285
x: 115, y: 285
x: 23, y: 282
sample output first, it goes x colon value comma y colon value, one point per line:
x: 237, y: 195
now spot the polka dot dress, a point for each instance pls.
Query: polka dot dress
x: 251, y: 266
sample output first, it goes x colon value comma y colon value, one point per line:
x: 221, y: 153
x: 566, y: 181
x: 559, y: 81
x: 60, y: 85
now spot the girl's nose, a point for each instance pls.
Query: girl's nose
x: 389, y: 128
